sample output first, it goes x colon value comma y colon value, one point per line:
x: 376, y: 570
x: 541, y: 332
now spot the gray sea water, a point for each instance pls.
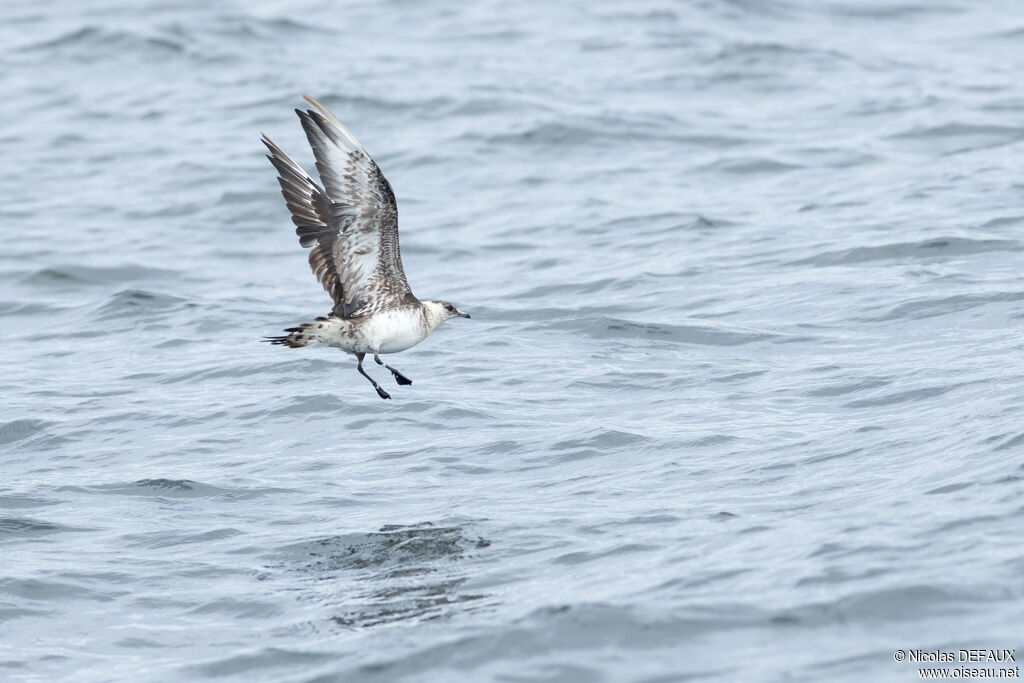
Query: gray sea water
x: 740, y: 399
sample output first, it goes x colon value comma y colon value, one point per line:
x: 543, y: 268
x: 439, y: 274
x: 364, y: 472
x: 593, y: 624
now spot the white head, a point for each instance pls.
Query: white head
x: 439, y: 311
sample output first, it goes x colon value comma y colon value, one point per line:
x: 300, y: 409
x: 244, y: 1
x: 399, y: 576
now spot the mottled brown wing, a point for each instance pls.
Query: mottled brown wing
x: 351, y: 223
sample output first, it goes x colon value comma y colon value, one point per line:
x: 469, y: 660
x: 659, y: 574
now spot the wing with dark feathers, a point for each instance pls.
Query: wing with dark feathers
x: 351, y: 223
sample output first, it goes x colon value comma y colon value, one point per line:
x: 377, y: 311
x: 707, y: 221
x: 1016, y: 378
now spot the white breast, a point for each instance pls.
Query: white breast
x: 394, y: 331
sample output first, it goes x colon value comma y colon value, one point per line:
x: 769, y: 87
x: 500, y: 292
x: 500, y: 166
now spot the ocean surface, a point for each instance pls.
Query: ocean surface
x: 741, y: 397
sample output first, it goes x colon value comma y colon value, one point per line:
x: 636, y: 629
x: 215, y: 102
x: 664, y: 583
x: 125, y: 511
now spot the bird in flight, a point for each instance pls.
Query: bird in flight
x: 351, y: 223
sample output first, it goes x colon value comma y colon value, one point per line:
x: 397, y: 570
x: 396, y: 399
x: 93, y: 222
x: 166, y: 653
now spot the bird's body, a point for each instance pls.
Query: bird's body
x: 389, y: 331
x: 351, y: 223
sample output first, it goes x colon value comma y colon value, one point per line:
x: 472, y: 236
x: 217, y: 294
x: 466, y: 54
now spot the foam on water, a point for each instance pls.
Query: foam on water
x: 739, y: 399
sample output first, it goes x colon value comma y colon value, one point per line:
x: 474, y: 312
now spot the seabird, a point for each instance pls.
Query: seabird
x: 352, y: 225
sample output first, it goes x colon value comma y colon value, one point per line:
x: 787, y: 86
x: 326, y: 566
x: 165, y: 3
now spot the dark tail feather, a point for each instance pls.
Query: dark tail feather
x: 300, y: 336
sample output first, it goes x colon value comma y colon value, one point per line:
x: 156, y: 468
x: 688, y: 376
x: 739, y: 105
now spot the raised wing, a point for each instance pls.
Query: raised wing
x: 351, y: 223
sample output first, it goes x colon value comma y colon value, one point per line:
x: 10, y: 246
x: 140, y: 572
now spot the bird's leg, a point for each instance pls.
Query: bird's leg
x: 399, y: 377
x: 359, y: 365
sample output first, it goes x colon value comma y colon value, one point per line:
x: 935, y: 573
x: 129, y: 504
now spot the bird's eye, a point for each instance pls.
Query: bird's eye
x: 449, y: 307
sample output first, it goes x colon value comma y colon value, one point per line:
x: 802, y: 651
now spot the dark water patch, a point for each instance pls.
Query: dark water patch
x: 174, y: 488
x: 865, y: 384
x: 259, y: 664
x: 31, y: 308
x: 15, y: 613
x: 18, y: 502
x: 750, y: 166
x: 405, y: 601
x: 935, y: 306
x: 569, y: 630
x: 170, y: 539
x: 312, y: 405
x: 949, y: 488
x: 739, y: 376
x: 604, y: 442
x: 1011, y: 443
x: 202, y: 375
x: 904, y: 603
x: 504, y: 447
x: 708, y: 440
x: 392, y: 546
x: 981, y: 524
x: 135, y: 304
x: 165, y: 211
x: 701, y: 579
x: 239, y: 609
x: 134, y: 643
x: 476, y: 417
x: 17, y: 430
x: 545, y: 135
x: 38, y: 590
x: 959, y: 137
x: 759, y: 53
x: 671, y: 225
x: 825, y: 457
x: 1004, y: 220
x: 1013, y: 34
x: 834, y: 576
x: 168, y: 344
x: 707, y: 335
x: 568, y: 290
x: 610, y: 130
x: 723, y: 516
x: 582, y: 557
x: 232, y: 198
x: 649, y: 519
x: 90, y: 43
x: 830, y: 157
x: 929, y: 250
x: 13, y: 528
x: 912, y: 395
x: 886, y: 11
x: 401, y: 573
x: 66, y: 275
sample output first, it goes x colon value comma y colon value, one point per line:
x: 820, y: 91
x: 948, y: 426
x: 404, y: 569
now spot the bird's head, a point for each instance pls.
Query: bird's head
x: 442, y: 310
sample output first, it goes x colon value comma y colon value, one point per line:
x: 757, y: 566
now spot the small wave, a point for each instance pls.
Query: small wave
x: 170, y: 539
x: 21, y: 527
x: 90, y: 275
x: 30, y: 308
x: 923, y: 250
x: 94, y: 40
x: 954, y: 138
x: 172, y: 488
x: 130, y: 303
x: 950, y: 130
x: 750, y: 165
x: 260, y: 664
x: 1003, y: 220
x: 894, y: 398
x: 16, y: 430
x: 865, y: 384
x: 604, y: 442
x: 58, y: 592
x: 707, y: 335
x: 935, y: 306
x: 1010, y: 443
